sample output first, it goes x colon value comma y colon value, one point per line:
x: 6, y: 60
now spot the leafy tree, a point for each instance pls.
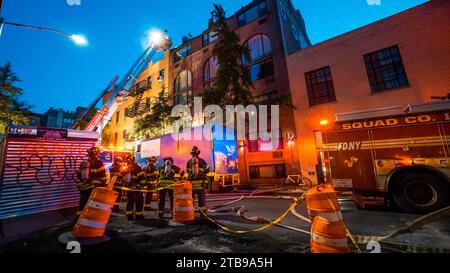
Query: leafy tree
x: 232, y: 83
x: 106, y: 135
x: 158, y: 121
x: 12, y: 109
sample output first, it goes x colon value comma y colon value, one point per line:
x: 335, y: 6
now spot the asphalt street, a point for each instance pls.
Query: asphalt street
x: 163, y: 235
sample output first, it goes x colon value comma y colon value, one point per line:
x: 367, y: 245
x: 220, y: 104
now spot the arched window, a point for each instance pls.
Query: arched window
x: 259, y: 47
x: 261, y: 61
x: 210, y: 69
x: 183, y: 81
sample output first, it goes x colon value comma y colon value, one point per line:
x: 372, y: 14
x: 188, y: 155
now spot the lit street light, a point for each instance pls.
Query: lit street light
x: 76, y: 38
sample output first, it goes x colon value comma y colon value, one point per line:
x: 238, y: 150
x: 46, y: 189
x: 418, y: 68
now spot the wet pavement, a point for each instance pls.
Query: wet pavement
x: 154, y: 235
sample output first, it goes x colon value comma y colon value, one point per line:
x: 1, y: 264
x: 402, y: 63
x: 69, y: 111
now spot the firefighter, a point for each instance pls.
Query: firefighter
x: 135, y: 180
x: 91, y: 174
x: 117, y: 170
x: 152, y: 178
x: 198, y: 169
x: 167, y: 174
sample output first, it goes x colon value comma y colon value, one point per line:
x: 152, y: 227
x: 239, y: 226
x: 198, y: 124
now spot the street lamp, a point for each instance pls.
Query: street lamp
x: 76, y: 38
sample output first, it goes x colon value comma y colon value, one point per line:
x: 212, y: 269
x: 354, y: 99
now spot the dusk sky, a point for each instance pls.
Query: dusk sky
x: 57, y: 73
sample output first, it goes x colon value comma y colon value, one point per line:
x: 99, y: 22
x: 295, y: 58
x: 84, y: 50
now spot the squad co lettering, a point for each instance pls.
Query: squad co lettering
x: 393, y: 121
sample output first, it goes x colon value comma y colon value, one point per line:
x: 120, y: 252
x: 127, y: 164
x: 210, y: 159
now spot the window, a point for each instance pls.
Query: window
x: 385, y: 69
x: 182, y: 52
x: 182, y: 98
x: 183, y: 81
x: 252, y: 14
x: 210, y: 37
x: 259, y: 47
x: 260, y: 62
x: 149, y: 82
x: 210, y: 70
x: 320, y: 86
x: 261, y: 70
x: 161, y: 76
x: 268, y: 171
x: 116, y: 138
x: 117, y: 116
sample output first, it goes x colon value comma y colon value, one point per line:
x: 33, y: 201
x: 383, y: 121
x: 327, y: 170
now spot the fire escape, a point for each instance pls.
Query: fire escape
x: 139, y: 107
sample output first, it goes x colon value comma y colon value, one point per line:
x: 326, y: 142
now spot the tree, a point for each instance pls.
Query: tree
x: 232, y: 83
x: 157, y: 121
x: 12, y: 109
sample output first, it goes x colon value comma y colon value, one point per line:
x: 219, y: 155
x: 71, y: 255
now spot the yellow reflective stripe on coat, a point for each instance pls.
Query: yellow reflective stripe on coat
x: 97, y: 170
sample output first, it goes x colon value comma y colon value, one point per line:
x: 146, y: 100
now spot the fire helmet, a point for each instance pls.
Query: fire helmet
x: 195, y: 151
x: 94, y: 151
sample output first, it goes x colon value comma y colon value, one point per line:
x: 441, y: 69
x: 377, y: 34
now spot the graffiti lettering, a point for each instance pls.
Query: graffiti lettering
x: 45, y: 169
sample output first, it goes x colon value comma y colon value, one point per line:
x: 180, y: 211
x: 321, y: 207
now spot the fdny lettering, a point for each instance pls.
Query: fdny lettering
x: 349, y: 146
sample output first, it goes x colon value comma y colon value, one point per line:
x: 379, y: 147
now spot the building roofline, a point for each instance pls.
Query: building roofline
x: 347, y: 34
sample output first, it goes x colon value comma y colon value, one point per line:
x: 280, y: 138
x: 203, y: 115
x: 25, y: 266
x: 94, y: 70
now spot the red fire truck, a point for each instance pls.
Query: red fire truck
x: 396, y: 154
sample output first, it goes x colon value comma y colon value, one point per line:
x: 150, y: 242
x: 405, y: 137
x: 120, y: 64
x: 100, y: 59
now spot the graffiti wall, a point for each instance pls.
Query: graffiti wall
x: 39, y: 170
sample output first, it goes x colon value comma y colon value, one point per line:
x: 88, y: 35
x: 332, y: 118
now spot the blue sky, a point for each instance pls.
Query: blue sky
x: 57, y: 73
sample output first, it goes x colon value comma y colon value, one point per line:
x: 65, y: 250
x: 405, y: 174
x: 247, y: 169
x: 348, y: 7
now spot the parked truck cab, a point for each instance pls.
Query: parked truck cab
x: 397, y: 154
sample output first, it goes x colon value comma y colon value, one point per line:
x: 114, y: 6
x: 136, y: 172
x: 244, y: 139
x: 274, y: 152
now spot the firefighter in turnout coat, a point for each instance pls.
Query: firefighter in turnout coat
x: 197, y: 170
x: 117, y: 170
x: 151, y: 173
x: 91, y: 174
x: 167, y: 174
x: 135, y: 180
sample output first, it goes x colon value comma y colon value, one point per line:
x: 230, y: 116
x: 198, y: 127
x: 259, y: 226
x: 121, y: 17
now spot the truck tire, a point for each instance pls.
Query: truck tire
x: 420, y: 193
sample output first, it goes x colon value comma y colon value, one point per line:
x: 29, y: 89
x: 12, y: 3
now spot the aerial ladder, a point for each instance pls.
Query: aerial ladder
x: 159, y: 42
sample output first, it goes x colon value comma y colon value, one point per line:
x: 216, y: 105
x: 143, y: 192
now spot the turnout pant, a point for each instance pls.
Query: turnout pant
x: 148, y: 200
x: 118, y: 200
x: 135, y: 204
x: 201, y: 195
x: 84, y: 198
x: 162, y: 200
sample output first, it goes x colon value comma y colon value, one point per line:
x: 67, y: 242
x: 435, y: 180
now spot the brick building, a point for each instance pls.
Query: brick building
x: 271, y: 29
x: 403, y: 59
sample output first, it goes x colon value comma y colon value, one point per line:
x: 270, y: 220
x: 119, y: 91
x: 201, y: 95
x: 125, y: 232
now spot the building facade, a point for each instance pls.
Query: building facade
x: 403, y: 59
x: 271, y: 29
x: 142, y: 94
x: 59, y: 118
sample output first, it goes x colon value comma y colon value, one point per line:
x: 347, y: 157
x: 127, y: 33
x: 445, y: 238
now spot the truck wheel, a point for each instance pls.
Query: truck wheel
x: 420, y: 193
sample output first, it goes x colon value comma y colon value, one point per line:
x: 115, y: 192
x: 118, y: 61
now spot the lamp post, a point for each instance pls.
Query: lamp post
x: 77, y: 39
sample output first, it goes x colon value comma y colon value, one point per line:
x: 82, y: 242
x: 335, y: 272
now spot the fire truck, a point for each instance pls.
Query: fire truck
x: 396, y: 155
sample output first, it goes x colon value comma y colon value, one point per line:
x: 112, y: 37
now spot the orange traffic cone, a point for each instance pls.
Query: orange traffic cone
x: 328, y: 232
x: 183, y: 204
x: 95, y: 216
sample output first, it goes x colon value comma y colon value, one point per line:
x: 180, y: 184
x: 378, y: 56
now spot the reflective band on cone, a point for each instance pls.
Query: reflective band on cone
x: 183, y: 208
x: 330, y: 217
x: 92, y: 224
x: 99, y: 205
x: 328, y: 241
x: 182, y: 196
